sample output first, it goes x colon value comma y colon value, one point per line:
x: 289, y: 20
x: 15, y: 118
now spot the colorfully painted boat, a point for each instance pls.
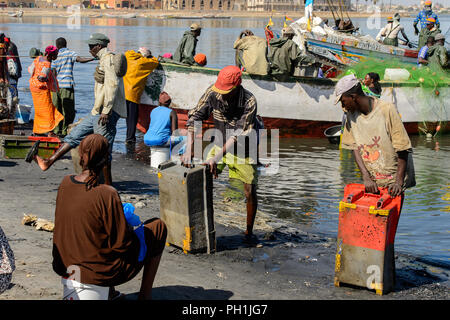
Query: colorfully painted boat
x: 349, y: 51
x: 344, y: 49
x: 297, y: 106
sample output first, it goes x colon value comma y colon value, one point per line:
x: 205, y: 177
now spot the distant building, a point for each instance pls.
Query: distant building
x: 198, y: 4
x: 294, y: 5
x: 18, y: 3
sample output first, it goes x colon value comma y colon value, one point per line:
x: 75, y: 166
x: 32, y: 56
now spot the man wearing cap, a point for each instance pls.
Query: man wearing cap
x: 285, y: 54
x: 377, y: 136
x: 431, y: 30
x: 139, y: 66
x: 64, y: 99
x: 109, y: 106
x: 234, y: 112
x: 423, y: 15
x: 390, y: 32
x: 439, y: 60
x: 185, y: 52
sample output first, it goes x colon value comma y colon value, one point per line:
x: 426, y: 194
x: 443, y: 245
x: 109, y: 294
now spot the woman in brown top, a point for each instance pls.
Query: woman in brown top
x: 91, y: 231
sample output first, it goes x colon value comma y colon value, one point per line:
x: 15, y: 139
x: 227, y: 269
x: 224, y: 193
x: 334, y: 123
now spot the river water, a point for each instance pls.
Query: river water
x: 312, y: 174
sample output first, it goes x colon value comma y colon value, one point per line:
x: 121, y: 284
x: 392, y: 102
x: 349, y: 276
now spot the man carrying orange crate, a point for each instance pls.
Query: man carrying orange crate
x: 369, y: 213
x: 378, y: 138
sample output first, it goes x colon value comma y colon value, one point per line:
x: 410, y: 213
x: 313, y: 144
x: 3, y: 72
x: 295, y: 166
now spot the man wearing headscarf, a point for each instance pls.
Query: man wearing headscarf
x: 91, y: 230
x: 140, y: 65
x: 285, y: 54
x: 234, y: 109
x: 423, y: 15
x: 390, y: 32
x: 109, y: 105
x: 185, y: 51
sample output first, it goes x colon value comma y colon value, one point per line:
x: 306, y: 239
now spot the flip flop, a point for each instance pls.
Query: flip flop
x: 116, y: 295
x: 33, y: 152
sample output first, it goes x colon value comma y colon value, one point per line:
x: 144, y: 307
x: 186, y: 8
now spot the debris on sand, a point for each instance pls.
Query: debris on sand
x: 38, y: 223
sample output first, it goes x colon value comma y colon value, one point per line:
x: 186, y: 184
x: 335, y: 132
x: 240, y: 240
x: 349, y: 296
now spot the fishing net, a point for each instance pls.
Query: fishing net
x: 426, y: 90
x: 426, y: 77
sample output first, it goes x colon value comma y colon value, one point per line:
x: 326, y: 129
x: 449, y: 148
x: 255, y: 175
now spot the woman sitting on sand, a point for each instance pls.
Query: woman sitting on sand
x: 42, y: 83
x: 91, y: 233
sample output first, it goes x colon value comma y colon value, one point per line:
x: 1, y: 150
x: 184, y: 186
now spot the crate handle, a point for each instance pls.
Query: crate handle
x: 383, y: 201
x: 379, y: 212
x: 343, y: 205
x: 354, y: 197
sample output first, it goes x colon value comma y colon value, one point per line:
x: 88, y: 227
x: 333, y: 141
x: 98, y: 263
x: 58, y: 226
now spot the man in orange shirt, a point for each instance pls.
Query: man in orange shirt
x: 139, y: 66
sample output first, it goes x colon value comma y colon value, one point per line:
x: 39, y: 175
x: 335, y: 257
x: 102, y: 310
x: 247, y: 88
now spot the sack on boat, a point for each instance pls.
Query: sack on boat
x: 120, y: 64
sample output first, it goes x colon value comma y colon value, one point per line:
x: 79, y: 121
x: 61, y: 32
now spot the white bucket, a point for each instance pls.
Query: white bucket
x: 396, y: 74
x: 158, y: 155
x: 74, y: 290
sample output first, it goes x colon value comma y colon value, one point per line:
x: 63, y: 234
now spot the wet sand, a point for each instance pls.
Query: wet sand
x: 289, y: 263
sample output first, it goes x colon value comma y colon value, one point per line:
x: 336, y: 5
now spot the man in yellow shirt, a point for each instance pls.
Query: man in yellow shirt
x: 139, y: 66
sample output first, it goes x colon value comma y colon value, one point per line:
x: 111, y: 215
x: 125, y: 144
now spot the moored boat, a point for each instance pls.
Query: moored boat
x: 344, y: 49
x: 297, y: 106
x: 17, y: 14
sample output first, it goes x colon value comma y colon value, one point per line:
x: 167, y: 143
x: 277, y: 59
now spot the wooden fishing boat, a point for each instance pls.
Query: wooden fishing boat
x: 344, y: 49
x: 121, y: 16
x: 348, y: 50
x: 17, y: 147
x: 297, y: 106
x: 17, y: 14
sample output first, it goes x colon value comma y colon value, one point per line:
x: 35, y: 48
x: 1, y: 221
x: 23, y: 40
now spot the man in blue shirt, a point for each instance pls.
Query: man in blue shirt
x: 64, y: 99
x: 309, y: 12
x: 424, y: 15
x: 163, y: 124
x: 423, y: 53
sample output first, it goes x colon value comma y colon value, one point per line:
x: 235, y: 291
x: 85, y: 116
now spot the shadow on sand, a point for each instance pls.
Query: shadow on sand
x: 135, y: 187
x: 7, y: 163
x: 184, y: 293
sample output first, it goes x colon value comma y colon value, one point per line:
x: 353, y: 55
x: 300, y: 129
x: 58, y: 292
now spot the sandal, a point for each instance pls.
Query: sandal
x: 33, y: 152
x: 116, y: 295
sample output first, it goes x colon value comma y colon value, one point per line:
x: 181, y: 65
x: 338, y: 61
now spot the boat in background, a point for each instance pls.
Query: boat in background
x: 344, y: 49
x: 297, y: 106
x: 17, y: 14
x: 121, y: 16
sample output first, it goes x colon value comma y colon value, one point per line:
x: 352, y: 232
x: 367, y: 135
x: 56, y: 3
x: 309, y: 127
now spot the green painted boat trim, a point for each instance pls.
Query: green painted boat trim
x: 17, y: 147
x: 308, y: 80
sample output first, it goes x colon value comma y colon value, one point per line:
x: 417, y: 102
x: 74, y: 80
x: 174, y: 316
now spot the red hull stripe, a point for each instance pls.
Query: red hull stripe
x: 289, y: 128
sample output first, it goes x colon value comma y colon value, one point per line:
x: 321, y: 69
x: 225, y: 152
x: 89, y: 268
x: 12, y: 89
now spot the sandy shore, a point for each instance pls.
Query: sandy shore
x: 289, y: 263
x: 184, y: 13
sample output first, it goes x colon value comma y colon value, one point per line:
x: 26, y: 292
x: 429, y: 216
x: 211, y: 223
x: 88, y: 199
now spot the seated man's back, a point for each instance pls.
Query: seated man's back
x: 254, y: 54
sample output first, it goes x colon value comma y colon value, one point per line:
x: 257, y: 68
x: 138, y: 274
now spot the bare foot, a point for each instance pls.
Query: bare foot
x: 42, y: 163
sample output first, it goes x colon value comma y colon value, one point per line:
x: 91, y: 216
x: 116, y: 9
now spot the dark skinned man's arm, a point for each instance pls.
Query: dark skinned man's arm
x: 84, y: 60
x: 371, y: 186
x: 396, y: 188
